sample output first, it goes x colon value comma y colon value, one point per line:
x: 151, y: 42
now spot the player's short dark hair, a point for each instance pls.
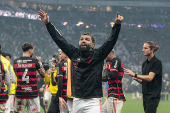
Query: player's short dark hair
x: 26, y: 46
x: 92, y: 37
x: 7, y: 54
x: 3, y: 54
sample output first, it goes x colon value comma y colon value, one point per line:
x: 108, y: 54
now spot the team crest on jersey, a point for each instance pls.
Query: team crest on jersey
x: 65, y: 64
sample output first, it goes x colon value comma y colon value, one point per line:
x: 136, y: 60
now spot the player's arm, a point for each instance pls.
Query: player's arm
x: 156, y: 68
x: 105, y: 78
x: 12, y: 75
x: 68, y: 49
x: 7, y: 80
x: 105, y: 49
x: 148, y: 77
x: 114, y: 67
x: 53, y: 80
x: 59, y: 79
x: 137, y: 79
x: 43, y: 85
x: 39, y: 67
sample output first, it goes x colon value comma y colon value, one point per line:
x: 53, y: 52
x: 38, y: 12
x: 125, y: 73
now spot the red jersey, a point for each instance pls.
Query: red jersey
x: 25, y: 70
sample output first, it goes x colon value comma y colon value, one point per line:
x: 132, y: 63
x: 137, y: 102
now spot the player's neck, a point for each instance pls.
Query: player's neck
x: 150, y: 56
x: 26, y: 55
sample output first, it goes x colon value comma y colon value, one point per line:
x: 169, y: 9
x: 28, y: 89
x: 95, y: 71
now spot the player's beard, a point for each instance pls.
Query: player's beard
x: 87, y: 48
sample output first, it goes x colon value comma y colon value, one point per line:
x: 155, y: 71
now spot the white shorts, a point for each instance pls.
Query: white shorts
x: 2, y: 108
x: 92, y: 105
x: 112, y: 105
x: 33, y: 105
x: 47, y: 95
x: 9, y: 104
x: 70, y: 106
x: 63, y: 109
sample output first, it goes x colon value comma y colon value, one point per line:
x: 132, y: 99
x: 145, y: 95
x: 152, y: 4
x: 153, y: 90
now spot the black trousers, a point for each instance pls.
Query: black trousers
x: 41, y: 96
x: 54, y: 105
x: 150, y: 105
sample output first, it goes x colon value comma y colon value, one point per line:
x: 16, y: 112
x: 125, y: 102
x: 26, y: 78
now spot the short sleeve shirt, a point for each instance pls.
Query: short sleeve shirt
x: 153, y: 88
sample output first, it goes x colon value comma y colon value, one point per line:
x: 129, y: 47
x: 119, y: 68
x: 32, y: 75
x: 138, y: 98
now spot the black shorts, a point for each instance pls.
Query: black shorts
x: 150, y: 105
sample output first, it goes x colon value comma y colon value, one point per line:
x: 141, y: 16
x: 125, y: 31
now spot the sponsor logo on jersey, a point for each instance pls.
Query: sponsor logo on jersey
x: 19, y: 61
x: 27, y: 88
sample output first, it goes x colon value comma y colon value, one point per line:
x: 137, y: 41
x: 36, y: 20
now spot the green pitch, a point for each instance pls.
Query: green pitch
x: 136, y: 106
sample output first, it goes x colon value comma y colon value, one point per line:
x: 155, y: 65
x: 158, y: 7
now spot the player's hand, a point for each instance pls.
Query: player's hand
x: 129, y: 72
x: 62, y: 101
x: 118, y: 18
x: 43, y: 16
x: 52, y: 69
x: 38, y: 58
x: 41, y: 89
x: 105, y: 66
x: 134, y: 78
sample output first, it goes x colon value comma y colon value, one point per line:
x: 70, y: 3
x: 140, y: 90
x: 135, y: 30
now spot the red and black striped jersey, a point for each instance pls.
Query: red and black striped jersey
x: 3, y: 94
x: 115, y: 75
x: 61, y: 79
x: 25, y: 69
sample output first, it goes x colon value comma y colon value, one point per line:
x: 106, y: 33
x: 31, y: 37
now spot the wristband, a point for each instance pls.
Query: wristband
x: 40, y: 63
x: 136, y: 75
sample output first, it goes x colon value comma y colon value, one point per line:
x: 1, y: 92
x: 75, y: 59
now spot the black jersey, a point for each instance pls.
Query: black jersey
x: 3, y: 94
x: 86, y: 66
x: 25, y: 70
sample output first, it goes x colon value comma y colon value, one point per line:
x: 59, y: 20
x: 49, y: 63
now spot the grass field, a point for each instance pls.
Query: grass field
x: 136, y: 106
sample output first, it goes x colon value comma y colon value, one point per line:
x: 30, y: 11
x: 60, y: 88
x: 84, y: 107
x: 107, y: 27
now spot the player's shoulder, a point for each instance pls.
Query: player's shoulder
x: 25, y: 60
x: 64, y: 63
x: 116, y: 59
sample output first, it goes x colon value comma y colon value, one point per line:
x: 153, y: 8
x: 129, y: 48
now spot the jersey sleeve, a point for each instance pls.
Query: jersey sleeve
x: 12, y: 75
x: 113, y: 69
x: 59, y: 79
x: 157, y: 67
x: 38, y: 67
x: 115, y: 65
